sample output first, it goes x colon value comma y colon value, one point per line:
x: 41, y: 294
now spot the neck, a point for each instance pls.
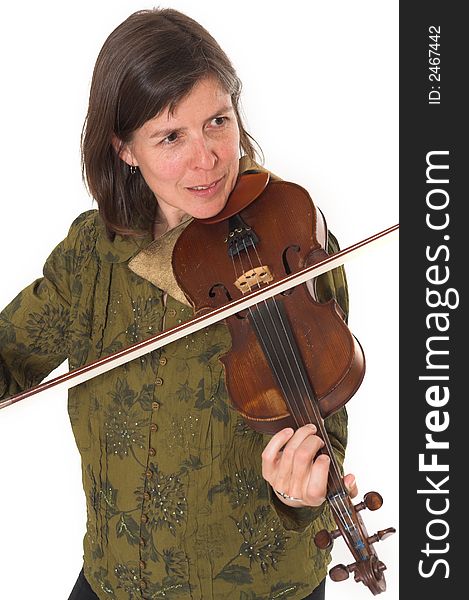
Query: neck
x: 167, y: 220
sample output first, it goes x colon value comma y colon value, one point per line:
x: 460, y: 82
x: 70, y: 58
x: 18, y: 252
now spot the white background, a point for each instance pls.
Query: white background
x: 321, y: 97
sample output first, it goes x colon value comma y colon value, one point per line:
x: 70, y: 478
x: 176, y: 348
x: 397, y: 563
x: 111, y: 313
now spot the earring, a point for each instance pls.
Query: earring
x: 133, y: 169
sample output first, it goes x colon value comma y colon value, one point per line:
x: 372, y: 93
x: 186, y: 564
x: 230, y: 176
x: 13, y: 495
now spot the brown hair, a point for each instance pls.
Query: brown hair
x: 148, y: 63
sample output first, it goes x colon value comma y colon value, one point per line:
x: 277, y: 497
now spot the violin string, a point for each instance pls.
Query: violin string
x: 338, y: 512
x: 337, y: 498
x: 256, y: 325
x: 318, y: 417
x: 303, y: 418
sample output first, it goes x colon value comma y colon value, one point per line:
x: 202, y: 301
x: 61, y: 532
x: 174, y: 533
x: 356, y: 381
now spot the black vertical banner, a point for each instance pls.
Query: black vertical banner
x: 434, y: 436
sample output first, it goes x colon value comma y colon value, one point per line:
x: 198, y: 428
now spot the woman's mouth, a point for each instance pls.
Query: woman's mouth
x: 207, y: 190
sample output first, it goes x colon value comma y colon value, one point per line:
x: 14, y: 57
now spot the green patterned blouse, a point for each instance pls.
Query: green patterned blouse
x: 176, y: 503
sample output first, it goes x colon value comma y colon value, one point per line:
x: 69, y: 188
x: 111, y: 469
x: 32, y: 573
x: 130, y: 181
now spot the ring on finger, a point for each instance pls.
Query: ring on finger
x: 287, y: 497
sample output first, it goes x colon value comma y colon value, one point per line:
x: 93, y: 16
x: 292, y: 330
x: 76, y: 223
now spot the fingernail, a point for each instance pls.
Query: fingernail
x: 312, y: 426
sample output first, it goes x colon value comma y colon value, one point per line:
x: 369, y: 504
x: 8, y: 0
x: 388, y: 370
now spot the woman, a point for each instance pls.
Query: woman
x: 183, y: 500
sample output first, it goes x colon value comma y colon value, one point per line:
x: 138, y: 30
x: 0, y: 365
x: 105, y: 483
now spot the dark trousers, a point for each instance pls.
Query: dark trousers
x: 318, y: 593
x: 82, y: 590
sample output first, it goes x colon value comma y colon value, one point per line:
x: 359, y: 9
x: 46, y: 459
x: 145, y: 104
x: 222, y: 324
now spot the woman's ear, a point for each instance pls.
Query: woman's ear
x: 123, y: 151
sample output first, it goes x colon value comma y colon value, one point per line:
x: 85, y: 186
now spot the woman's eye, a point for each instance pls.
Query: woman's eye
x: 219, y: 121
x: 171, y: 138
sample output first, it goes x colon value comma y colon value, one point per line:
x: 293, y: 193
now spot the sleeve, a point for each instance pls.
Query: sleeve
x: 34, y: 327
x: 332, y: 284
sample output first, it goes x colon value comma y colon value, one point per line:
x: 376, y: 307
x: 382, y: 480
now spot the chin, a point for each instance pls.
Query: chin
x: 211, y: 210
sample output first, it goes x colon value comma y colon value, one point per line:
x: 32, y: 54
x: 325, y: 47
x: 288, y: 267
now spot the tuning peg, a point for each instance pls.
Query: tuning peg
x: 341, y: 572
x: 371, y: 501
x: 323, y: 539
x: 381, y: 535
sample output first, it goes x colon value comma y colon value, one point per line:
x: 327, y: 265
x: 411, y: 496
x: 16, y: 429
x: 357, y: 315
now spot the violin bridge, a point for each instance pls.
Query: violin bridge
x: 253, y: 277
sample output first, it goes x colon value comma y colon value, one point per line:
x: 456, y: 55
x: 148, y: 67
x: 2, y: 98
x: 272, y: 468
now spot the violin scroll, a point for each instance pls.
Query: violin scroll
x: 367, y: 569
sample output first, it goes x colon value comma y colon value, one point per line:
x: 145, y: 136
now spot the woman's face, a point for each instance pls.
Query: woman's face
x: 189, y: 158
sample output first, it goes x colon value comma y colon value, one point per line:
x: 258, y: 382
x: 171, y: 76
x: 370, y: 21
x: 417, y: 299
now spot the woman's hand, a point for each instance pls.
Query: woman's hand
x: 297, y: 474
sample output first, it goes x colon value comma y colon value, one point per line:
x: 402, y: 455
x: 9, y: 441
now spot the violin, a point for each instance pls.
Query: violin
x: 293, y: 359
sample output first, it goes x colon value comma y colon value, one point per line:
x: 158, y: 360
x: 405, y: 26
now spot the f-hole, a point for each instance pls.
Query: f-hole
x: 286, y: 265
x: 220, y: 289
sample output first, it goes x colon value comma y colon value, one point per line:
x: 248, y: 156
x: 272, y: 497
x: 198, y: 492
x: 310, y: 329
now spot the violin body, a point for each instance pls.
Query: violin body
x: 291, y: 234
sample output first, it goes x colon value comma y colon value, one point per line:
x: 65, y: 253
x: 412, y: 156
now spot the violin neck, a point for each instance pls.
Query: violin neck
x: 335, y: 483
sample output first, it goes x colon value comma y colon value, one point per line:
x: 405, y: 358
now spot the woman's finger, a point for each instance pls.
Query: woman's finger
x: 281, y: 449
x: 271, y: 453
x: 351, y: 485
x: 295, y: 476
x: 315, y: 490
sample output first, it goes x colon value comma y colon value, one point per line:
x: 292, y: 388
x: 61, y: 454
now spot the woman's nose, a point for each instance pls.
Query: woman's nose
x: 204, y: 154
